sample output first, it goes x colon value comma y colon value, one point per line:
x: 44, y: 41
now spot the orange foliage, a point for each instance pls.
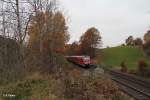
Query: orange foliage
x: 49, y: 32
x: 90, y: 40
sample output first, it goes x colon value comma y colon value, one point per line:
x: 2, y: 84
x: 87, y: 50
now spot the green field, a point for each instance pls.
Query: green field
x: 131, y: 55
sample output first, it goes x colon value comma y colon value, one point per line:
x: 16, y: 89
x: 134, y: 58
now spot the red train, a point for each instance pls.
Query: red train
x: 84, y: 61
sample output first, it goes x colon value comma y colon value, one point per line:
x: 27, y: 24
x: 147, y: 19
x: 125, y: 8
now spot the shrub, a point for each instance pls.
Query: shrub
x: 143, y: 69
x: 124, y: 67
x: 146, y: 48
x: 46, y: 64
x: 89, y: 88
x: 69, y: 87
x: 132, y: 71
x: 12, y: 66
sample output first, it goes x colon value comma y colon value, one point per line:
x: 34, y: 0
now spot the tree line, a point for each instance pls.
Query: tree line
x: 40, y: 29
x: 144, y: 44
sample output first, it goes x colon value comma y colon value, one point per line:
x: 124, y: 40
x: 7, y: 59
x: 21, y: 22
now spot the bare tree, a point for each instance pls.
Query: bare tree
x: 18, y: 18
x: 3, y: 20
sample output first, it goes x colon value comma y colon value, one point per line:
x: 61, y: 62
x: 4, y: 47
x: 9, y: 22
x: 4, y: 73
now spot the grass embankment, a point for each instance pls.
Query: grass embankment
x: 131, y: 55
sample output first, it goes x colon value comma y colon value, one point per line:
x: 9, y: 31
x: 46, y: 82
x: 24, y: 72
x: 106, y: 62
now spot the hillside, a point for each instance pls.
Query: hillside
x: 131, y: 55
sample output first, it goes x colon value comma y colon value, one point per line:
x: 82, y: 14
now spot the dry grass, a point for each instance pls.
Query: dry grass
x: 67, y: 86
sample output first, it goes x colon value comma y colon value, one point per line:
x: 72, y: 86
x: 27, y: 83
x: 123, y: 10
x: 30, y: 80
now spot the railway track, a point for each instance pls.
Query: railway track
x: 136, y: 87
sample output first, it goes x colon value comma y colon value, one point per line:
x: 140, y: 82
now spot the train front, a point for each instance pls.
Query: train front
x: 87, y: 60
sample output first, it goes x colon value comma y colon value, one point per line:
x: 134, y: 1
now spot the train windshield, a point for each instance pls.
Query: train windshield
x: 86, y: 57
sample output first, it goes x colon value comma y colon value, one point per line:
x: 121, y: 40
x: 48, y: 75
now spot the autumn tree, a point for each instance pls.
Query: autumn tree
x: 89, y: 41
x: 146, y: 45
x: 138, y: 42
x: 146, y: 48
x: 47, y: 34
x: 55, y: 34
x: 147, y: 36
x: 34, y: 32
x: 51, y: 26
x: 73, y: 48
x: 130, y: 40
x: 59, y: 34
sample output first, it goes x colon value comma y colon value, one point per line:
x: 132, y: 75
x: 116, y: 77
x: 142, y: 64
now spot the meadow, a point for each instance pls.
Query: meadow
x: 129, y: 54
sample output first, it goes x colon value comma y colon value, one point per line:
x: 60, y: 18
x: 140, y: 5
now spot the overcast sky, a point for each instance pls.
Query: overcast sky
x: 115, y: 19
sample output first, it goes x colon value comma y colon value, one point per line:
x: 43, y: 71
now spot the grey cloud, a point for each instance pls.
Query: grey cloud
x: 116, y: 19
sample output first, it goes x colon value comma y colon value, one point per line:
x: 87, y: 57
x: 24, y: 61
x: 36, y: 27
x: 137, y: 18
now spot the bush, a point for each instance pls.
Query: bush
x: 12, y: 66
x: 132, y: 71
x: 69, y: 87
x: 146, y: 48
x: 89, y: 88
x: 143, y: 69
x: 124, y: 67
x: 47, y: 63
